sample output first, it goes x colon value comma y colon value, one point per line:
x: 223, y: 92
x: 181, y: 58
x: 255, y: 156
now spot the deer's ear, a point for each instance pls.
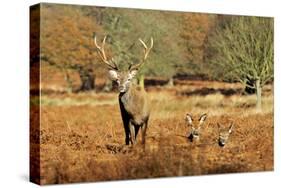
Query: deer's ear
x: 133, y: 73
x: 230, y: 128
x: 113, y: 75
x: 219, y: 126
x: 202, y: 118
x: 188, y: 118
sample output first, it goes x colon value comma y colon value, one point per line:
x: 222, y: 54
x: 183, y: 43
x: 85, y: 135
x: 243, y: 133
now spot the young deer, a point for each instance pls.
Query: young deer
x: 224, y: 134
x: 133, y: 101
x: 195, y: 126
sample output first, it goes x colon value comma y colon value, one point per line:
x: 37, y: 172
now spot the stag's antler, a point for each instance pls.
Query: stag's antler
x: 110, y: 63
x: 146, y: 52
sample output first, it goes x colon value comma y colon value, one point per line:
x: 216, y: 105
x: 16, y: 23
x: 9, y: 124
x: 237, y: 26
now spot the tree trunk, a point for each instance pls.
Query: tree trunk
x: 250, y: 90
x: 68, y: 80
x: 141, y: 81
x: 171, y: 82
x: 258, y: 94
x: 87, y: 80
x: 108, y: 86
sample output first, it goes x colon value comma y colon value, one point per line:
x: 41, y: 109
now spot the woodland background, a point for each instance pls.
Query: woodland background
x: 187, y: 45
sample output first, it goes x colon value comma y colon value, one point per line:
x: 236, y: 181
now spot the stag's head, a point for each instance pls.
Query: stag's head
x: 224, y: 133
x: 195, y: 125
x: 122, y: 78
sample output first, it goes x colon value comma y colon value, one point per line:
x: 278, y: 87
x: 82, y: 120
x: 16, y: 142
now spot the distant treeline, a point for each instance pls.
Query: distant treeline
x: 209, y: 46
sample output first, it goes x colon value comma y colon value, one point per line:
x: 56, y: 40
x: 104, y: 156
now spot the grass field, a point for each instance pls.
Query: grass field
x: 82, y: 136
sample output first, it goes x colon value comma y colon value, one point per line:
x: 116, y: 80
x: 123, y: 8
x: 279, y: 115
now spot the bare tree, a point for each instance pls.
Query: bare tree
x: 243, y: 51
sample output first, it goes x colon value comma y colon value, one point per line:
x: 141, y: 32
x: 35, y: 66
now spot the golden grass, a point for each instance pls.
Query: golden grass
x: 82, y: 137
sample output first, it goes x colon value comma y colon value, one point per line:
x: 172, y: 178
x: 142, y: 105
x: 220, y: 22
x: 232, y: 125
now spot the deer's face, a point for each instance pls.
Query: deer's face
x: 195, y: 126
x: 123, y: 79
x: 224, y: 134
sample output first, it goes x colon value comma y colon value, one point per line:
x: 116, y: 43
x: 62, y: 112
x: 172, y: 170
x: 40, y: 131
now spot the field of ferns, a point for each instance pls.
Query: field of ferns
x: 82, y: 136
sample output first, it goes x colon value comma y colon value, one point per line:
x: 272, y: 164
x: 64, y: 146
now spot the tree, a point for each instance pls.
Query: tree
x: 195, y: 32
x: 243, y: 51
x: 67, y: 44
x: 125, y: 26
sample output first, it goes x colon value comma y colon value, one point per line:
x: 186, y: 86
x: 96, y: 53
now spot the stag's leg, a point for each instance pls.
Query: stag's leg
x: 137, y: 127
x: 127, y: 134
x: 143, y: 132
x: 125, y: 120
x: 127, y: 131
x: 132, y: 133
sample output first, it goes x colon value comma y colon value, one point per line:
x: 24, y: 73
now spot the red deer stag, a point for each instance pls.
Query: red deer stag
x: 133, y: 100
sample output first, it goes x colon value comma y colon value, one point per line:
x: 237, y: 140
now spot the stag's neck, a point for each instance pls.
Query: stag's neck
x: 126, y: 96
x: 130, y: 95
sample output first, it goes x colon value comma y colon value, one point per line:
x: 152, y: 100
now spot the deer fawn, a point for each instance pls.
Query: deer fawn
x: 133, y: 101
x: 195, y: 126
x: 224, y: 134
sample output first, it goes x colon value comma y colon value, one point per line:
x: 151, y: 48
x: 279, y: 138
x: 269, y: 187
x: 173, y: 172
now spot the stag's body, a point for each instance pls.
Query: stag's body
x: 133, y: 100
x: 135, y: 111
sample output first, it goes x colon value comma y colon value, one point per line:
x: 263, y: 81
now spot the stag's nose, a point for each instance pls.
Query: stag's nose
x: 121, y: 88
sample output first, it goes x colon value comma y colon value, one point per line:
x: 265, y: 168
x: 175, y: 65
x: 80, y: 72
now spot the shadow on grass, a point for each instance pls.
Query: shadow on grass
x: 207, y: 91
x: 229, y: 168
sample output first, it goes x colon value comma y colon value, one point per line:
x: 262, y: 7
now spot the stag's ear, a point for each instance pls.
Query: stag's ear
x: 113, y: 74
x: 230, y: 128
x: 202, y: 118
x: 188, y: 118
